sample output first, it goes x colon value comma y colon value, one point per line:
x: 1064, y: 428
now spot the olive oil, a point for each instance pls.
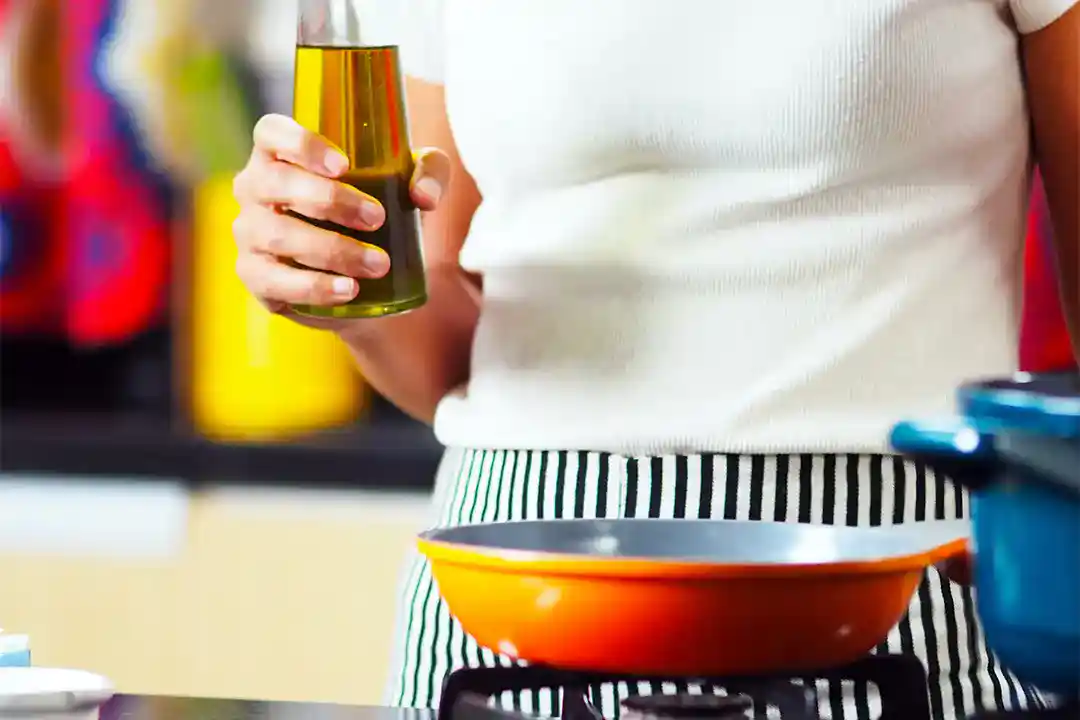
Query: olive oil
x: 353, y: 98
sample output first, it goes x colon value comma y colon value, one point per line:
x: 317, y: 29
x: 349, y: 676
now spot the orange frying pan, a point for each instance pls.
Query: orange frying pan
x: 699, y: 598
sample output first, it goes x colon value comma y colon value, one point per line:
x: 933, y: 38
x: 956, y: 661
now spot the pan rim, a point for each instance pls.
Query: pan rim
x: 539, y: 562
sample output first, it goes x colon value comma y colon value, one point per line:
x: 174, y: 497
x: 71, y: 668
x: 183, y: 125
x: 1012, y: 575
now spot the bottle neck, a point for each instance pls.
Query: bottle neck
x: 330, y: 23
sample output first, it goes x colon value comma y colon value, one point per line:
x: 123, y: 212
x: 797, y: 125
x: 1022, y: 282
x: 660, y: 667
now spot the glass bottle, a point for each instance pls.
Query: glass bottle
x: 348, y: 88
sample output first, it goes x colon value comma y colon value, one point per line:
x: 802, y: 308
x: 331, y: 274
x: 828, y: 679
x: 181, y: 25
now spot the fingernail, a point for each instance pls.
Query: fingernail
x: 377, y: 261
x: 336, y: 162
x: 430, y: 187
x: 344, y: 287
x: 372, y: 213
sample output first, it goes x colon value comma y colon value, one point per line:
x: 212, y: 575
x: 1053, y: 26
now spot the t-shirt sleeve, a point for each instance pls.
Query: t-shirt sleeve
x: 422, y: 44
x: 1033, y: 15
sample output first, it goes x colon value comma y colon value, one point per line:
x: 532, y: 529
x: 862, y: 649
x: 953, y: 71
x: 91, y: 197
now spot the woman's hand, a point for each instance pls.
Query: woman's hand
x: 294, y: 169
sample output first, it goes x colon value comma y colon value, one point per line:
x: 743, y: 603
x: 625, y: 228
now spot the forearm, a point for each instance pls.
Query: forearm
x: 417, y: 358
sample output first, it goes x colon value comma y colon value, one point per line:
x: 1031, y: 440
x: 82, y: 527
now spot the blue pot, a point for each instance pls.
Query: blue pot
x: 1016, y: 446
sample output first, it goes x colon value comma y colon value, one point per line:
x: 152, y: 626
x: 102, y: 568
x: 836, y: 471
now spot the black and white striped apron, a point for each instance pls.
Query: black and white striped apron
x: 489, y: 485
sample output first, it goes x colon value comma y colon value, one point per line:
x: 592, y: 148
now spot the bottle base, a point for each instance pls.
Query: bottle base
x: 361, y: 310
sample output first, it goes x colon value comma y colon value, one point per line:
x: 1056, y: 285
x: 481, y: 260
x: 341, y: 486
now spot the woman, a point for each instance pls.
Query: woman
x: 722, y: 247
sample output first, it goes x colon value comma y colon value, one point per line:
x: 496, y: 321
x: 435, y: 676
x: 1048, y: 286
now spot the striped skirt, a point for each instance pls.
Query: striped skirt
x: 492, y: 485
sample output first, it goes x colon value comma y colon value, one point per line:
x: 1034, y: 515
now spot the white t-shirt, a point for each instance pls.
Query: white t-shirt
x: 732, y: 225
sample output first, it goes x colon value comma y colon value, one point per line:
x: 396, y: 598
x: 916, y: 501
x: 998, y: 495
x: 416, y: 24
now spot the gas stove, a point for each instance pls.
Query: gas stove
x: 899, y: 679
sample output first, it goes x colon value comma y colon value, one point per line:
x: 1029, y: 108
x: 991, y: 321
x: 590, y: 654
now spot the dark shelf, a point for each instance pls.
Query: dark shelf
x: 106, y: 412
x: 388, y: 452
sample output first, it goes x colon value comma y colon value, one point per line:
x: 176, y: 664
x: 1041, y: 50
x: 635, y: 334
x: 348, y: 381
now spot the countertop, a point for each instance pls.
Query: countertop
x: 153, y: 707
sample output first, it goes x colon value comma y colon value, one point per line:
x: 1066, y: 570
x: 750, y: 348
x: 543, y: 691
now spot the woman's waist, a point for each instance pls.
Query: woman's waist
x: 740, y: 350
x: 824, y: 488
x: 692, y: 422
x: 610, y: 378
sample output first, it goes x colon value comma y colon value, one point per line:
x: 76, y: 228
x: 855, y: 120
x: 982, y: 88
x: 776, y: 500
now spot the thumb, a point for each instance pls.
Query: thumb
x: 431, y: 178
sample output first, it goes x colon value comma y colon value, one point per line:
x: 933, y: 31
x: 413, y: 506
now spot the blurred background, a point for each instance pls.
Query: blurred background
x: 195, y: 497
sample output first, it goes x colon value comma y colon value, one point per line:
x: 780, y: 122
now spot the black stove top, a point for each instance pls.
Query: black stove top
x: 899, y: 679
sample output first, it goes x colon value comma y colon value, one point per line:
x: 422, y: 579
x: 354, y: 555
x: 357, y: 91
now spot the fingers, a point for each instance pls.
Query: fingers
x: 274, y: 283
x: 282, y: 185
x: 430, y: 179
x: 293, y: 169
x: 281, y: 138
x: 305, y: 181
x: 262, y: 230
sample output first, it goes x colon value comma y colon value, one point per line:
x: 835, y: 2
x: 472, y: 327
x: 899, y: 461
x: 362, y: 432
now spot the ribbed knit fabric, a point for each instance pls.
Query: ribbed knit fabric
x: 710, y: 225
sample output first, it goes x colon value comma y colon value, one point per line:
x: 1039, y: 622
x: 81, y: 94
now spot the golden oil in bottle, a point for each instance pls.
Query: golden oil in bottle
x: 354, y: 98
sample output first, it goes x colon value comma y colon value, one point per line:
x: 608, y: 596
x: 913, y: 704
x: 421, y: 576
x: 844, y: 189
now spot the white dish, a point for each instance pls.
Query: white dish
x: 32, y: 691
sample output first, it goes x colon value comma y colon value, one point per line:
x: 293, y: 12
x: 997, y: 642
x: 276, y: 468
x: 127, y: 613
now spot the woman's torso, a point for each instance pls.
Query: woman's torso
x: 761, y: 226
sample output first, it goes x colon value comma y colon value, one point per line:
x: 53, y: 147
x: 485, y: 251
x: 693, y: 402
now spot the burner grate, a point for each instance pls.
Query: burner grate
x: 690, y: 707
x: 900, y: 679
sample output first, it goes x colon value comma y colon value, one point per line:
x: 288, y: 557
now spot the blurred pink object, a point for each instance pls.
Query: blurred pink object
x: 118, y: 204
x: 1044, y: 337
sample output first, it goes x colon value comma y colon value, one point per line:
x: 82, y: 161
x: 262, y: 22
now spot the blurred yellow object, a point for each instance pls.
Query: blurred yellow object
x: 253, y: 375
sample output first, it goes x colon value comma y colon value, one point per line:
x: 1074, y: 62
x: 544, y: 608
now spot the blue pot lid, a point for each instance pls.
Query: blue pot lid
x: 1047, y: 404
